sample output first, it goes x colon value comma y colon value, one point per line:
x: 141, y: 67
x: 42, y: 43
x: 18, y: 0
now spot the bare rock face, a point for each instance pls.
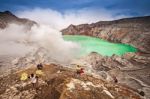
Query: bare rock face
x: 133, y: 31
x: 7, y: 17
x: 130, y: 70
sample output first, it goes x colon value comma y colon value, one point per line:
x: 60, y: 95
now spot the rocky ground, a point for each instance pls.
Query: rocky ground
x: 58, y: 82
x: 131, y: 69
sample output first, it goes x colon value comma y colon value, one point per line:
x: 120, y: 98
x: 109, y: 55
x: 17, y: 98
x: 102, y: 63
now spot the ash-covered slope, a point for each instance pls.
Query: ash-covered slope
x: 7, y: 17
x: 133, y: 31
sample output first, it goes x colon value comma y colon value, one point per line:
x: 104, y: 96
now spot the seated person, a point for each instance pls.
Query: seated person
x: 40, y: 66
x: 79, y: 70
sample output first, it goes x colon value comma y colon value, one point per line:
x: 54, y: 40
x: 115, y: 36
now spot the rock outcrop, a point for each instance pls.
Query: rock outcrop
x: 7, y: 18
x: 131, y: 70
x: 133, y: 31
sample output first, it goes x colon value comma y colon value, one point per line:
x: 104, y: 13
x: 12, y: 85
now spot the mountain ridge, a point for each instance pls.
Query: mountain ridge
x: 7, y: 17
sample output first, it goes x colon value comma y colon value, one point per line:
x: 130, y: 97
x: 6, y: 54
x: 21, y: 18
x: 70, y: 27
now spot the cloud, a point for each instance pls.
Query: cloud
x: 59, y: 20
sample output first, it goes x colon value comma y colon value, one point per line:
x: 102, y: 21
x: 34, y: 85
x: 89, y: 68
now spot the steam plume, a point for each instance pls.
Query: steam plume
x: 16, y: 40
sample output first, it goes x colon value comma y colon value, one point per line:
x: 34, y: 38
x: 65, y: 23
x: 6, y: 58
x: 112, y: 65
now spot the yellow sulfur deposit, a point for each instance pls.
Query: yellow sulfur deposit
x: 39, y: 72
x: 24, y: 76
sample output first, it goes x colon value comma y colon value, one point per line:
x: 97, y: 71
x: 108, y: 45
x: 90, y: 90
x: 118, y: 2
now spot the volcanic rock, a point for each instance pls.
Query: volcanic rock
x: 62, y: 85
x: 130, y: 70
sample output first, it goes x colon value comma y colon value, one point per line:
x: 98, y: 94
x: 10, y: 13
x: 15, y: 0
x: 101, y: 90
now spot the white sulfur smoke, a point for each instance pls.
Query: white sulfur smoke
x: 16, y: 40
x: 52, y: 40
x: 10, y: 38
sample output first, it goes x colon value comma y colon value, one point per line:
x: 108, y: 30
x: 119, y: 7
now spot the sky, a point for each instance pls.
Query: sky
x: 123, y: 7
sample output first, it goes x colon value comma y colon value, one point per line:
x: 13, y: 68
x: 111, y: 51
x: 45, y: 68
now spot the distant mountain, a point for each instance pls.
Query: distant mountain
x: 133, y: 31
x: 7, y: 17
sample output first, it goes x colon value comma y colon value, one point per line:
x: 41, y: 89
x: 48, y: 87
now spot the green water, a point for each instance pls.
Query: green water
x: 105, y: 48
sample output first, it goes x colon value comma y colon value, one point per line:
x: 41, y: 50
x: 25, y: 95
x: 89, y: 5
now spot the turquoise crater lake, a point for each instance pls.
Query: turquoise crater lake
x: 91, y: 44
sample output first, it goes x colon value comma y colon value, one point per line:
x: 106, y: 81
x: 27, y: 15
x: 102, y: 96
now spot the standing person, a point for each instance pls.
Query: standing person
x: 78, y: 69
x: 34, y: 79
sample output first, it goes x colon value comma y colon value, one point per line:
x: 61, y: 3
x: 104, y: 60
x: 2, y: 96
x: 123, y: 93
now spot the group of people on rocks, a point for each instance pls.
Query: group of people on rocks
x: 32, y: 77
x: 79, y: 72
